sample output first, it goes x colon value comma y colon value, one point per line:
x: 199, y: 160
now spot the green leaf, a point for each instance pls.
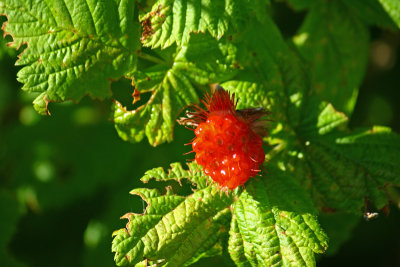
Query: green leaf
x: 319, y: 118
x: 173, y: 229
x: 177, y: 230
x: 74, y: 46
x: 303, y: 120
x: 156, y: 118
x: 276, y: 68
x: 392, y: 7
x: 130, y: 243
x: 207, y: 252
x: 236, y: 246
x: 300, y: 4
x: 259, y: 7
x: 205, y: 60
x: 202, y: 61
x: 346, y: 170
x: 340, y: 170
x: 194, y: 174
x: 272, y: 76
x: 171, y: 21
x: 276, y: 224
x: 248, y: 91
x: 335, y: 43
x: 370, y: 12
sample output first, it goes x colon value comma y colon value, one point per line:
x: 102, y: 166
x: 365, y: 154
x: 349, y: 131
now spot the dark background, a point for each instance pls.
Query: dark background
x: 65, y: 179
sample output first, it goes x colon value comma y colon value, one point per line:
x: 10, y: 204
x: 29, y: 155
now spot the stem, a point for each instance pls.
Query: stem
x: 276, y: 150
x: 151, y: 58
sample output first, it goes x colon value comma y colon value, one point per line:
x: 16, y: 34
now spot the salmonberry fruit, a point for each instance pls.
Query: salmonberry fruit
x: 228, y: 143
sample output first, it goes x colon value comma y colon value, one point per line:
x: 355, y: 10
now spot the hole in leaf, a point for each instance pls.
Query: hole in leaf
x: 123, y: 92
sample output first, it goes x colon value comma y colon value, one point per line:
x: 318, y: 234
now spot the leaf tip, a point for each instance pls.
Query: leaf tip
x: 40, y: 104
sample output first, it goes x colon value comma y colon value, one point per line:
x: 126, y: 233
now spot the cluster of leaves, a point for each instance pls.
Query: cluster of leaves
x: 173, y: 49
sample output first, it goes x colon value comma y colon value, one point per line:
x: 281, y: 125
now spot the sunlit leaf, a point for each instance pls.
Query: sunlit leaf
x: 392, y: 7
x: 202, y: 61
x: 173, y: 229
x: 265, y: 227
x: 276, y: 224
x: 74, y: 47
x: 171, y: 21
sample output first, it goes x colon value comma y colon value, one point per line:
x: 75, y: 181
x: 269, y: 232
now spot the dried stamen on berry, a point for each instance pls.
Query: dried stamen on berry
x: 228, y: 142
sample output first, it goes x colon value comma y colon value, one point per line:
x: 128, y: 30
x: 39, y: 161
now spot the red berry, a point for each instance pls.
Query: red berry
x: 226, y: 144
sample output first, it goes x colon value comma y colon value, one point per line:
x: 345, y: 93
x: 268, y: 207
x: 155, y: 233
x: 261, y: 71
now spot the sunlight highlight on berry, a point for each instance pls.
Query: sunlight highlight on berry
x: 228, y: 143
